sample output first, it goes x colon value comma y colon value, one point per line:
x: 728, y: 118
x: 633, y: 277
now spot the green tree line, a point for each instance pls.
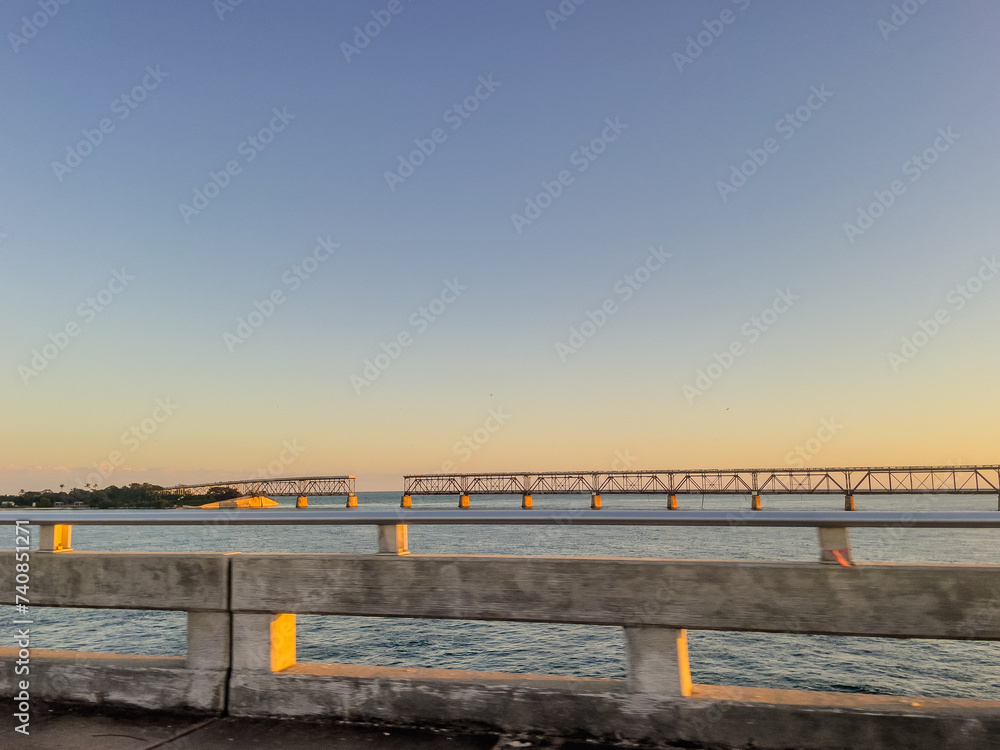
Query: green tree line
x: 135, y: 495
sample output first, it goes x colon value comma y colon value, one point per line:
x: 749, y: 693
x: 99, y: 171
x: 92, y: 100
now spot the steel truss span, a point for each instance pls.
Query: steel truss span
x: 284, y: 486
x: 904, y: 480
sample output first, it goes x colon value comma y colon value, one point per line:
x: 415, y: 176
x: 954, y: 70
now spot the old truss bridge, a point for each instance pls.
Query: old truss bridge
x: 911, y: 480
x: 283, y: 486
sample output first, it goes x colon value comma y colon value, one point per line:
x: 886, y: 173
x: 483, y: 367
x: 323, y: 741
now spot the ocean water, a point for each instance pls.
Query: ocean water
x: 960, y: 669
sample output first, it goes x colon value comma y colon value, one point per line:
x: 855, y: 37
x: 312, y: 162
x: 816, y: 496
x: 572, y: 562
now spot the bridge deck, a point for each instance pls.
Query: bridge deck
x: 83, y: 729
x: 57, y: 727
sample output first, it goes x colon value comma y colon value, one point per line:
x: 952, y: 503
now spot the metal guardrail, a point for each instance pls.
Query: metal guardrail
x: 56, y: 527
x: 311, y: 517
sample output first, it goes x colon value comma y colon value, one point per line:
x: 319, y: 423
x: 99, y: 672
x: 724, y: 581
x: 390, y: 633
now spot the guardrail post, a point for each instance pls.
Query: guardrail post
x: 263, y: 643
x: 392, y: 539
x: 55, y: 537
x: 208, y: 640
x: 834, y: 545
x: 658, y: 661
x: 849, y: 502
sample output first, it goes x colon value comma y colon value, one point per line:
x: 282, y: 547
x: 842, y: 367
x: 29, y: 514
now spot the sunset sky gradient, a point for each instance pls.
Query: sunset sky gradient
x: 653, y: 266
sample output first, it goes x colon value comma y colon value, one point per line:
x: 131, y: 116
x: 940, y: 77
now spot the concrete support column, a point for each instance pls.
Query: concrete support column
x: 672, y: 502
x: 392, y: 539
x: 658, y: 661
x: 302, y: 502
x: 463, y: 502
x: 527, y: 502
x: 352, y: 501
x: 208, y: 640
x: 406, y: 502
x: 755, y: 503
x: 55, y: 538
x: 849, y: 502
x: 595, y: 501
x: 263, y: 643
x: 834, y: 545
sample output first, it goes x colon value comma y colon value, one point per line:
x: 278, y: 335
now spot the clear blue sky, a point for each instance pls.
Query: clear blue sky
x: 885, y: 95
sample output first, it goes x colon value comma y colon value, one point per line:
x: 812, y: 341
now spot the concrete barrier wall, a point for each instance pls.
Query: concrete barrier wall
x: 148, y: 682
x: 186, y: 581
x: 241, y: 641
x: 605, y: 709
x: 190, y: 582
x: 909, y: 601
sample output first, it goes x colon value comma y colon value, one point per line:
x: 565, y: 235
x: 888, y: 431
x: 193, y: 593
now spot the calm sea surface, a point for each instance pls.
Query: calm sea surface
x: 865, y: 665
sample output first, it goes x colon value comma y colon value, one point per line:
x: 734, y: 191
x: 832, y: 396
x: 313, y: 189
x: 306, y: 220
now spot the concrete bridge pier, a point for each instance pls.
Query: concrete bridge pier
x: 302, y: 502
x: 849, y: 502
x: 208, y: 640
x: 595, y: 501
x: 352, y: 501
x: 672, y: 502
x: 755, y: 503
x: 406, y: 502
x: 392, y: 539
x: 263, y: 643
x: 526, y: 502
x: 464, y: 503
x: 834, y: 545
x: 55, y: 537
x: 658, y: 661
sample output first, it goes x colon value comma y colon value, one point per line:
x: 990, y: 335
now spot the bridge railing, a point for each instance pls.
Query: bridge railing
x: 195, y: 583
x: 55, y: 526
x: 242, y: 611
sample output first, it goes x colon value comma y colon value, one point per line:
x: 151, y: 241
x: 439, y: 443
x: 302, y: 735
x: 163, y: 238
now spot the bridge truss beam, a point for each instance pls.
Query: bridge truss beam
x: 283, y: 486
x: 910, y: 480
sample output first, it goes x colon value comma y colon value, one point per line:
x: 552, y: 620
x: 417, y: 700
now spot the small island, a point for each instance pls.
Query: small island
x: 135, y: 495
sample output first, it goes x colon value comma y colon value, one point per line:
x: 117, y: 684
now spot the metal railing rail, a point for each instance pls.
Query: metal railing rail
x: 313, y: 517
x: 56, y: 526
